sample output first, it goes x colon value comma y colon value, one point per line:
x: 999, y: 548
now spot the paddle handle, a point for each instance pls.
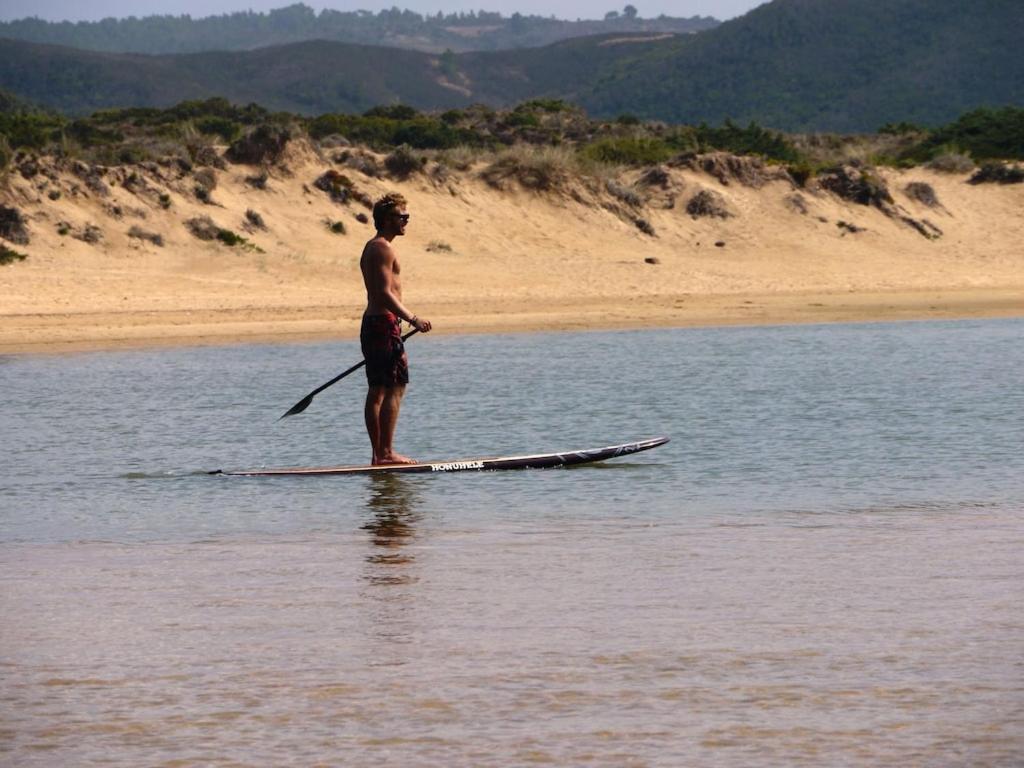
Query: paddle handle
x: 303, y: 404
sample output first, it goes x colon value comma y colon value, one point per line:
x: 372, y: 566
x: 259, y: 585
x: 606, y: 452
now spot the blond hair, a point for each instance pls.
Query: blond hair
x: 385, y: 205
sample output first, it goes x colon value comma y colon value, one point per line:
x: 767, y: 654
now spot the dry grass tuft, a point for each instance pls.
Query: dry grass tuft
x: 141, y: 234
x: 541, y: 169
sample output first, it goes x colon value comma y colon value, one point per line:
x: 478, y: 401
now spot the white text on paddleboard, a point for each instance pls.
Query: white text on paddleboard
x: 454, y: 465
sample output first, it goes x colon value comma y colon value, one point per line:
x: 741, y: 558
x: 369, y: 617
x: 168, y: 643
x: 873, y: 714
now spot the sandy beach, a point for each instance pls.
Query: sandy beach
x: 481, y: 259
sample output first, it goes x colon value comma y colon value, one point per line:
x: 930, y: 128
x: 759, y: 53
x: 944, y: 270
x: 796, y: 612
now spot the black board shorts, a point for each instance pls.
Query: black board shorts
x: 384, y: 351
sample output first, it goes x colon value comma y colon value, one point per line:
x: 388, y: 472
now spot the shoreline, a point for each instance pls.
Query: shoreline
x: 55, y: 333
x: 112, y: 267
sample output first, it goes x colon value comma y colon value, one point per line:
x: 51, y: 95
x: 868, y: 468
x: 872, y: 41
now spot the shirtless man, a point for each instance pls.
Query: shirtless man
x: 387, y: 368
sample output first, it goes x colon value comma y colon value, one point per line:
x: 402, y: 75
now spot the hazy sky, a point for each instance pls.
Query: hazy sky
x: 82, y: 10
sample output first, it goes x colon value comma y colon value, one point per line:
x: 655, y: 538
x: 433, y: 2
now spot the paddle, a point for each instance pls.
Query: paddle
x: 303, y: 404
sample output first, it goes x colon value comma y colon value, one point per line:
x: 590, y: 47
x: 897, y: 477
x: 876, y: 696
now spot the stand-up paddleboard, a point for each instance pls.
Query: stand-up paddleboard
x: 539, y: 461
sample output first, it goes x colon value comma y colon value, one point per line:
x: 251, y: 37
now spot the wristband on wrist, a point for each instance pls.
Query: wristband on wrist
x: 413, y: 320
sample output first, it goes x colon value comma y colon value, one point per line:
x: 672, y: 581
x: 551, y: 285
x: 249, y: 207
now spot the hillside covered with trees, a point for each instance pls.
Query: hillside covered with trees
x: 796, y: 65
x: 472, y: 31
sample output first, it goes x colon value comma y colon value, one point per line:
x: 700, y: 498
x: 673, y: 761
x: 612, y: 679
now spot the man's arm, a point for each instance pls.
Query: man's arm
x: 381, y: 285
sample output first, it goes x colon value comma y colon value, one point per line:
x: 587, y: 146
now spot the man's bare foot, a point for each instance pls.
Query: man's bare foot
x: 394, y: 458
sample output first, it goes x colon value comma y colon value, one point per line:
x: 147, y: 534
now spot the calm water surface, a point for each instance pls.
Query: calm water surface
x: 824, y: 566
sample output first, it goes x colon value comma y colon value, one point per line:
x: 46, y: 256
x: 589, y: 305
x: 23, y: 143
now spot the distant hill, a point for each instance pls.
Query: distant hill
x: 473, y: 31
x: 839, y: 65
x: 842, y: 65
x: 307, y: 78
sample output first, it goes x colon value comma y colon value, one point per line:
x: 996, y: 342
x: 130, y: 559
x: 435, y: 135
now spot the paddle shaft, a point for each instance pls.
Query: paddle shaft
x: 303, y: 404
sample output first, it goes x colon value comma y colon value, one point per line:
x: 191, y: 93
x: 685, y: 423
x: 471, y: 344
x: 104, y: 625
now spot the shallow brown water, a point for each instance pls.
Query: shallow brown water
x: 874, y: 637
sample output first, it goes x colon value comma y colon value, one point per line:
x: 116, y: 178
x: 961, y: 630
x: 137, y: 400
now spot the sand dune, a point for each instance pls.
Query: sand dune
x: 480, y: 259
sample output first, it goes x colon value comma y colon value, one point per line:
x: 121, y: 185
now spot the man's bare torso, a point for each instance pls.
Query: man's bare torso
x: 381, y: 276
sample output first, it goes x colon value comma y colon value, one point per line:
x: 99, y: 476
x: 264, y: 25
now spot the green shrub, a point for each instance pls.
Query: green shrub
x: 87, y: 134
x: 547, y: 105
x: 9, y: 256
x: 801, y: 172
x: 900, y: 129
x: 752, y: 140
x: 522, y: 119
x: 337, y: 227
x: 31, y: 131
x: 226, y: 128
x: 392, y: 112
x: 997, y: 173
x: 228, y: 237
x: 985, y: 134
x: 628, y: 151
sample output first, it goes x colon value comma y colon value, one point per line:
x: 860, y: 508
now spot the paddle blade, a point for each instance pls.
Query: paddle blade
x: 299, y: 407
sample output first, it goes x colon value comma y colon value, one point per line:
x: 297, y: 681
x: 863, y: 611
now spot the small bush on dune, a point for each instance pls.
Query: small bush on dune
x: 998, y: 173
x: 462, y: 158
x: 337, y: 185
x: 12, y: 226
x: 264, y: 144
x: 9, y: 256
x: 254, y: 219
x: 258, y: 181
x: 922, y: 193
x: 985, y: 134
x: 752, y: 140
x: 628, y: 151
x: 707, y: 203
x: 6, y: 154
x: 214, y: 125
x: 228, y: 237
x: 951, y: 162
x: 360, y: 161
x: 392, y: 112
x: 627, y: 195
x: 857, y: 186
x: 141, y: 234
x: 537, y: 168
x: 203, y: 227
x: 645, y: 226
x: 206, y: 182
x: 800, y: 172
x: 403, y: 162
x: 334, y: 141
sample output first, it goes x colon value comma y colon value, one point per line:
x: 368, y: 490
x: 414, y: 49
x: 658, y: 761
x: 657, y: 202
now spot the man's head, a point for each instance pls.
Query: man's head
x: 389, y: 213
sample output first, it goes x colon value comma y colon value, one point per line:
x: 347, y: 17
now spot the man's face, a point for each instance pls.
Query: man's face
x: 400, y: 219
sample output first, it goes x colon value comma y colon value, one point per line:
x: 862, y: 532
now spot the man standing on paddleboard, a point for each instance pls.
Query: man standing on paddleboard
x: 387, y: 368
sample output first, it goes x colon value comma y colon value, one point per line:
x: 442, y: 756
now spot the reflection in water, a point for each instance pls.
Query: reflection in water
x: 389, y: 599
x: 392, y: 503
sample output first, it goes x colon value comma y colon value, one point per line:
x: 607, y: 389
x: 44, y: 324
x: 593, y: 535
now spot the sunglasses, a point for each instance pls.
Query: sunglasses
x: 403, y: 216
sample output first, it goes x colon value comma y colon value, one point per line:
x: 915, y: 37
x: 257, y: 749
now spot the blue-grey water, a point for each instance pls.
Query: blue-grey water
x: 824, y: 566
